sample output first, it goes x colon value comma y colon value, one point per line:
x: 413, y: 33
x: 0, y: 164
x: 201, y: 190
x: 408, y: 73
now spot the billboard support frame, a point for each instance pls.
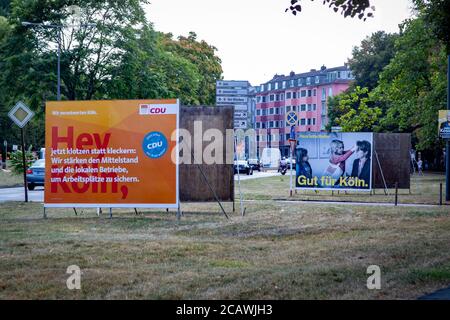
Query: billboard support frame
x: 386, y: 190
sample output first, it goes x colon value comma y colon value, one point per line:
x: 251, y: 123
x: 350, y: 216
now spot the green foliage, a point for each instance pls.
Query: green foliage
x: 349, y: 8
x: 122, y: 57
x: 202, y: 55
x: 355, y: 111
x: 408, y: 85
x: 16, y: 158
x: 369, y: 59
x: 413, y: 84
x: 5, y: 7
x: 436, y: 14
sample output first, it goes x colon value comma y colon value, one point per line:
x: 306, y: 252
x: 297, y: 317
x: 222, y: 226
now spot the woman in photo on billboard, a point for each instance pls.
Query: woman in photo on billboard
x: 362, y: 163
x: 303, y: 167
x: 336, y: 168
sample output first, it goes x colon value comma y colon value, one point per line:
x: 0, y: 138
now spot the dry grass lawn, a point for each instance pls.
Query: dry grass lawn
x: 424, y: 190
x: 8, y: 179
x: 277, y: 251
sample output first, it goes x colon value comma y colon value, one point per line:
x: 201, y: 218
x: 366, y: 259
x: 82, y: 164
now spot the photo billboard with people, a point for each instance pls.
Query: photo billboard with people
x: 444, y: 124
x: 334, y: 161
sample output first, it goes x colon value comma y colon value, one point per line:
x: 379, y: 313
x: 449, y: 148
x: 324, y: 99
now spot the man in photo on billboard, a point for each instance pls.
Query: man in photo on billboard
x: 362, y: 163
x: 445, y: 126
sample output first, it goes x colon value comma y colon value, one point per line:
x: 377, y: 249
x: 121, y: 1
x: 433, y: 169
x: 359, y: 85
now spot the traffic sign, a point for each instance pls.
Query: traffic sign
x: 21, y: 114
x: 292, y: 118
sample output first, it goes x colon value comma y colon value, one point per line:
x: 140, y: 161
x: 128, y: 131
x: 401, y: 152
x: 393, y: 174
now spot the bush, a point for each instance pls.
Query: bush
x: 16, y: 163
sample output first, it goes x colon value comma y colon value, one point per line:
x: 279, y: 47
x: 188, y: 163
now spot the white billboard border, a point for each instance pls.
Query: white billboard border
x: 342, y: 189
x: 175, y: 205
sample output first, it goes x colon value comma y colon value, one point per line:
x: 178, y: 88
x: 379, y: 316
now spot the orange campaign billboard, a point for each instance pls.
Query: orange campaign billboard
x: 112, y: 154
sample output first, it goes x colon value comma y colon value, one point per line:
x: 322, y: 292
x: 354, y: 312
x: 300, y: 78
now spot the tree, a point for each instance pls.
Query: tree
x: 369, y: 59
x: 121, y: 58
x: 349, y: 8
x: 5, y: 6
x: 413, y: 85
x: 203, y: 56
x: 436, y: 14
x: 355, y: 111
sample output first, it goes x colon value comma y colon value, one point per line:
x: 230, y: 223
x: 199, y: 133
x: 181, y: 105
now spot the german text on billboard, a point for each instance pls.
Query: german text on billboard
x: 112, y: 154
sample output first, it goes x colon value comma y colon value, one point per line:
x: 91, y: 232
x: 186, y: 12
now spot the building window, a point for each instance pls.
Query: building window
x: 303, y: 107
x: 277, y: 97
x: 309, y: 122
x: 309, y: 107
x: 276, y: 85
x: 302, y: 122
x: 271, y: 111
x: 272, y: 97
x: 324, y: 94
x: 300, y: 82
x: 330, y: 92
x: 294, y: 95
x: 339, y: 75
x: 271, y: 124
x: 264, y: 99
x: 262, y: 88
x: 288, y: 108
x: 288, y: 95
x: 314, y: 107
x: 291, y: 83
x: 317, y: 79
x: 309, y: 93
x: 303, y: 93
x: 314, y: 93
x: 308, y: 81
x: 258, y: 112
x: 270, y: 87
x: 282, y: 97
x: 284, y: 84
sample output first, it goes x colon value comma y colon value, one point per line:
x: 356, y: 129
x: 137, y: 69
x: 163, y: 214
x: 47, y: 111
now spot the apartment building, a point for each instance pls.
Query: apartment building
x: 305, y: 93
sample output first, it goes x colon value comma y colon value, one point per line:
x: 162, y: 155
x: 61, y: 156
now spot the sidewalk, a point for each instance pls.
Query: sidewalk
x: 443, y: 294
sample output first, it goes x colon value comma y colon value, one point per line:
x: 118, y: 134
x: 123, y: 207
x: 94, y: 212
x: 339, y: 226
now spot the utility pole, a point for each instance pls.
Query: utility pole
x: 447, y: 149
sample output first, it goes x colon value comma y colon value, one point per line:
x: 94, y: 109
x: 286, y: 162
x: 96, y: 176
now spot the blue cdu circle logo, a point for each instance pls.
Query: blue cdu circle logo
x: 155, y: 145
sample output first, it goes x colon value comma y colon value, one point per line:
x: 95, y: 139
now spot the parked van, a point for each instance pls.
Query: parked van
x: 271, y: 158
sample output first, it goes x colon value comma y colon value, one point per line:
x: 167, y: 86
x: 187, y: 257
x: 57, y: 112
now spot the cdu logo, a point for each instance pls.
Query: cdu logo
x: 155, y: 145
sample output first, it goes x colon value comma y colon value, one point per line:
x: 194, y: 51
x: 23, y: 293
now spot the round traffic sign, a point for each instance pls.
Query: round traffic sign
x: 292, y: 118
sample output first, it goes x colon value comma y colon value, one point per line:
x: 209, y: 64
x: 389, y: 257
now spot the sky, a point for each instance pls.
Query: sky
x: 257, y: 39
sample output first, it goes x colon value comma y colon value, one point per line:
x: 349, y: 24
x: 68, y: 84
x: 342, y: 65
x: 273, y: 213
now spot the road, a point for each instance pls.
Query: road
x: 259, y: 175
x: 17, y: 194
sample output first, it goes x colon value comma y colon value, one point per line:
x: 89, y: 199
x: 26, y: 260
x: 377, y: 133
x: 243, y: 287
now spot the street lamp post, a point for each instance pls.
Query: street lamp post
x: 59, y: 30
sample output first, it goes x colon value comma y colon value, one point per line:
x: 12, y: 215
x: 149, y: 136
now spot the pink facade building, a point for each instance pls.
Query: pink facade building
x: 306, y: 94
